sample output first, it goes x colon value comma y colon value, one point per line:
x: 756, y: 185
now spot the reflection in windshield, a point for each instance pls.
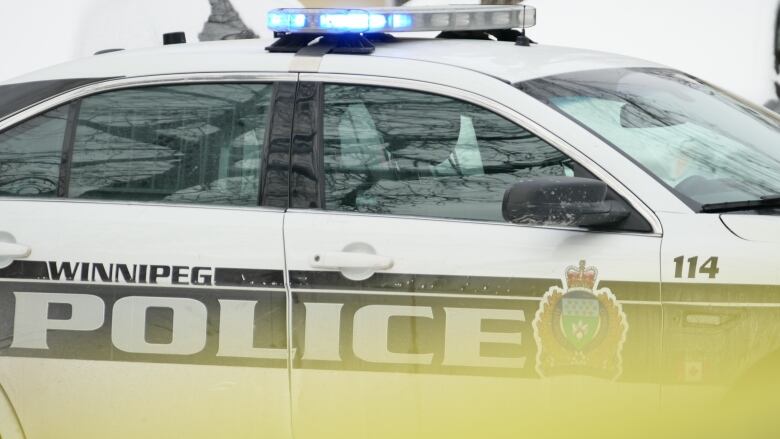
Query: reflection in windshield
x: 708, y: 147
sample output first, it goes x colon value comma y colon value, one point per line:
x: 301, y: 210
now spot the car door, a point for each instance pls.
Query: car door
x: 142, y: 290
x: 417, y: 310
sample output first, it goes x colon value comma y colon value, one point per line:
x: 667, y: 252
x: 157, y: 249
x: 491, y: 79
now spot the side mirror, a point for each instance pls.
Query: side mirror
x: 562, y: 201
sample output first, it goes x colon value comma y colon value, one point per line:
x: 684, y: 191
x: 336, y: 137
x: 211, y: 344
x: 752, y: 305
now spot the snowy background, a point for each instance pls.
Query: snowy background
x: 38, y: 33
x: 728, y: 43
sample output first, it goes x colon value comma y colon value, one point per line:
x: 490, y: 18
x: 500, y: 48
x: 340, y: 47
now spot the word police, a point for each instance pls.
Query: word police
x: 366, y: 333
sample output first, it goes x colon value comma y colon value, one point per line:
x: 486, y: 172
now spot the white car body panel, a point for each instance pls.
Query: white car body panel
x: 753, y: 227
x: 505, y: 60
x: 83, y: 397
x: 705, y: 235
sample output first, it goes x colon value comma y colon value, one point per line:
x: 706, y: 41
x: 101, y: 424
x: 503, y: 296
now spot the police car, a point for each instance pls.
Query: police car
x: 353, y: 233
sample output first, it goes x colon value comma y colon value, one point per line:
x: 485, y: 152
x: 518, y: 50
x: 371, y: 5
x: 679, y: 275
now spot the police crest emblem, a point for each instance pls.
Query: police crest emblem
x: 580, y: 329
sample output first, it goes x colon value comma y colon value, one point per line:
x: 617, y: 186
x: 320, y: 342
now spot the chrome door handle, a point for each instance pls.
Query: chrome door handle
x: 13, y: 250
x: 350, y: 260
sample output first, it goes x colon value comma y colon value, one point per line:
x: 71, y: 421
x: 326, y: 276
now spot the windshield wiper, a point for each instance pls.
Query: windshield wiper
x: 766, y: 202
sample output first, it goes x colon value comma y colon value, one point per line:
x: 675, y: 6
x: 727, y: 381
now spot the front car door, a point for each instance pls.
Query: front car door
x: 152, y: 300
x: 417, y: 310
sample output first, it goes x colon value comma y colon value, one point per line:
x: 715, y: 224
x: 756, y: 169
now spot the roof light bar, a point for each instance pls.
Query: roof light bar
x: 452, y: 18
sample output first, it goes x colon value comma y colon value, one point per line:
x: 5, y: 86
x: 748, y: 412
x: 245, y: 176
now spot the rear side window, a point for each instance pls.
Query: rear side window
x: 30, y: 156
x: 198, y: 144
x: 400, y: 152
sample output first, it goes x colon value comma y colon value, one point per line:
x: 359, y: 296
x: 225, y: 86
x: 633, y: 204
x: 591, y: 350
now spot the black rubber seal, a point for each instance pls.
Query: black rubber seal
x: 17, y: 97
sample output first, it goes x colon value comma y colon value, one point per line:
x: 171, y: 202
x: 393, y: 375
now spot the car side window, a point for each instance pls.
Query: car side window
x: 402, y: 152
x: 198, y: 144
x: 30, y: 155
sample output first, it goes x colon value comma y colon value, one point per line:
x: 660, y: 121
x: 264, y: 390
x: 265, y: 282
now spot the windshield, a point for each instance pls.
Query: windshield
x: 703, y: 144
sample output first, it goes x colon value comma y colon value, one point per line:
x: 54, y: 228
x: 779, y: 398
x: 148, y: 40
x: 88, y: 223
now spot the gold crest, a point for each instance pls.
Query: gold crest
x: 579, y: 329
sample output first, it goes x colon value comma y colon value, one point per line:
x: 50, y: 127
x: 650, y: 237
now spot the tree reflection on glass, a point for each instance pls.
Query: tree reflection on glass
x: 180, y: 144
x: 30, y: 155
x: 402, y: 152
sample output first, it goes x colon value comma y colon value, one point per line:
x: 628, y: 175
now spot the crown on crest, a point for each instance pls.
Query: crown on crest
x: 581, y: 276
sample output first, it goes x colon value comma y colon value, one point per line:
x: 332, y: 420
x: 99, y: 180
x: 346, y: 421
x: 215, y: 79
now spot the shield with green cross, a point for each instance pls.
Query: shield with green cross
x: 580, y: 320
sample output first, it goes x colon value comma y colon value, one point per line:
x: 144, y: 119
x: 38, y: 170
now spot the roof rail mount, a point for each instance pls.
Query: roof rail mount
x: 517, y: 36
x: 174, y: 38
x: 347, y: 43
x: 101, y: 52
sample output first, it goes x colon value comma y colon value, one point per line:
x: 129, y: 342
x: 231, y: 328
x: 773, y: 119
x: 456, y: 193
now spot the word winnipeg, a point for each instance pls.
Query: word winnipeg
x: 130, y: 274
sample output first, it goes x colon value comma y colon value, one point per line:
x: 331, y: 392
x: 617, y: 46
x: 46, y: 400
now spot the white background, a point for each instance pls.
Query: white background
x: 726, y: 42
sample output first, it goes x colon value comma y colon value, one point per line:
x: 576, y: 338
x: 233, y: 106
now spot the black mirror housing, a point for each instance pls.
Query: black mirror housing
x: 563, y: 201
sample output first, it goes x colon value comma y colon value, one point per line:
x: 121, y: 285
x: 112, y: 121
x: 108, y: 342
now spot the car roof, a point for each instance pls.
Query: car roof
x: 506, y: 60
x: 502, y: 60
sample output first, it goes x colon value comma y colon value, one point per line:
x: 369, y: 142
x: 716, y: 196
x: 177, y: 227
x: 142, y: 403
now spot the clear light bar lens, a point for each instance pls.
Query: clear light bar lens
x: 453, y: 18
x: 289, y: 21
x: 351, y: 21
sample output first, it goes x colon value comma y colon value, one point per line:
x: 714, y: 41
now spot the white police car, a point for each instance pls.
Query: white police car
x: 354, y: 234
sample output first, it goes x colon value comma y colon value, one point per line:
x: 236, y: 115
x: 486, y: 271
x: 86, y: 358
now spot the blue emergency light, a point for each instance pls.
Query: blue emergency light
x: 378, y: 20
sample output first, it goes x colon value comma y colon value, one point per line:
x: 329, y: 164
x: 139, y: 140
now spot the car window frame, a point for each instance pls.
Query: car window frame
x: 73, y: 98
x: 310, y: 127
x: 21, y: 95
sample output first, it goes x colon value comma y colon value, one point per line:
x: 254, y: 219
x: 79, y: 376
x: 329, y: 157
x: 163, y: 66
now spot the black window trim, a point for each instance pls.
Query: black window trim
x: 17, y: 97
x: 307, y: 175
x: 66, y: 159
x: 275, y: 166
x: 316, y: 200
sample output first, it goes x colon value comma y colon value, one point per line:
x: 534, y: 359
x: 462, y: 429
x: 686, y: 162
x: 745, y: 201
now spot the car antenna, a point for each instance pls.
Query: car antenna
x: 523, y: 39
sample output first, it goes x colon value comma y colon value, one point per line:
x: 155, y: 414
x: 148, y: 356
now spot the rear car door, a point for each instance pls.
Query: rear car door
x: 142, y: 290
x: 417, y: 310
